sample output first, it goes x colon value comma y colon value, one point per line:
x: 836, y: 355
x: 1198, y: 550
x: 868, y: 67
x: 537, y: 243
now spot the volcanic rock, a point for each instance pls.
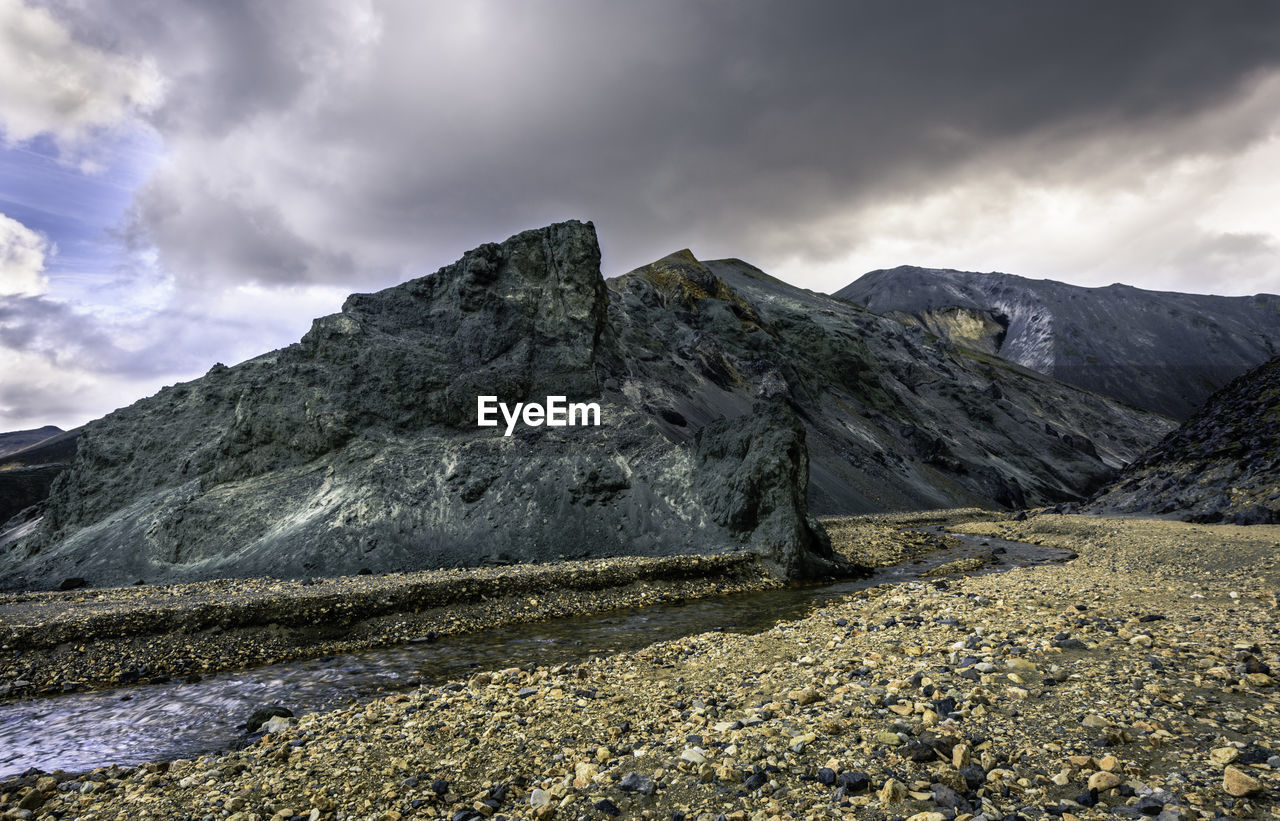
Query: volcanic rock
x: 1223, y: 465
x: 732, y: 405
x: 1166, y: 352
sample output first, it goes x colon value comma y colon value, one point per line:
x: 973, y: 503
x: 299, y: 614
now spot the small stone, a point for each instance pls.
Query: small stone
x: 805, y: 697
x: 948, y: 798
x: 927, y: 816
x: 1259, y: 679
x: 33, y: 800
x: 1237, y: 783
x: 539, y: 798
x: 974, y: 776
x: 1224, y: 755
x: 637, y: 783
x: 607, y: 807
x: 276, y: 724
x: 1109, y: 763
x: 960, y: 755
x: 1101, y: 781
x: 1095, y: 721
x: 1149, y: 805
x: 854, y: 781
x: 892, y: 792
x: 888, y: 738
x: 694, y: 755
x: 920, y: 753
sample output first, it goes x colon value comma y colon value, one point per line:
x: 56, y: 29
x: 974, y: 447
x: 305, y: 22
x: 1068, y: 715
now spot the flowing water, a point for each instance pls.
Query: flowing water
x: 132, y: 725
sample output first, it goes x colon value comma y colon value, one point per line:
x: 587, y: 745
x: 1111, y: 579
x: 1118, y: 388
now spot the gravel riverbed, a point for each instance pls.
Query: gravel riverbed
x: 1136, y: 680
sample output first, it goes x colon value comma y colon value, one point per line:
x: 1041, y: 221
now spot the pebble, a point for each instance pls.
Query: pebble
x: 1238, y: 783
x: 629, y: 728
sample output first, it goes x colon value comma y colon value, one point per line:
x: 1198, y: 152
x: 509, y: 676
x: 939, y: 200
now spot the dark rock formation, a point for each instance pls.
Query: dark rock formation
x: 1223, y: 465
x: 896, y: 419
x: 1166, y: 352
x: 722, y: 391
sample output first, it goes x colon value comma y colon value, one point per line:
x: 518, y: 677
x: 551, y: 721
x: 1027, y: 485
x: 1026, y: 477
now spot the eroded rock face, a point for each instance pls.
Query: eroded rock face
x: 732, y: 406
x: 1223, y: 465
x: 895, y: 419
x: 357, y: 448
x: 1166, y: 352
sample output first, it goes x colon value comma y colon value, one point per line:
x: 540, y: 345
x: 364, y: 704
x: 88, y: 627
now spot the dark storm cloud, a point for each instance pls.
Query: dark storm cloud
x: 318, y: 142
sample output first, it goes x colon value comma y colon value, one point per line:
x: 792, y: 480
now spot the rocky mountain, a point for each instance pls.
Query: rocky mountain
x: 732, y: 405
x: 1165, y: 352
x: 1223, y: 465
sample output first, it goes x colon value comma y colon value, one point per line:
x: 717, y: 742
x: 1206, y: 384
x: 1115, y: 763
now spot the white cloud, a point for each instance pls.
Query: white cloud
x: 1168, y: 216
x: 22, y: 257
x: 56, y: 85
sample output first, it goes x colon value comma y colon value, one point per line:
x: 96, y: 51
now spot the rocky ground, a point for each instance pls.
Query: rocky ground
x: 1136, y: 680
x: 90, y: 639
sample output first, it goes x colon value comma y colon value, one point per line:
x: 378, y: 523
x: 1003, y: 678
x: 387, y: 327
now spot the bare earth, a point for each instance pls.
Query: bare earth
x: 1145, y: 670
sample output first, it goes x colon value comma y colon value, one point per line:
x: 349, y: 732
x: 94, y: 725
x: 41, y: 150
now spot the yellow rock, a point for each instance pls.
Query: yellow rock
x: 892, y: 792
x: 1109, y: 763
x: 1237, y: 783
x: 806, y: 696
x: 1224, y: 755
x: 1104, y: 781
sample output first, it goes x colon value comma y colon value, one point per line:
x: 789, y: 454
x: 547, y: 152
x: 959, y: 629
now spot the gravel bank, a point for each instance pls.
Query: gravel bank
x: 1135, y: 681
x: 90, y: 639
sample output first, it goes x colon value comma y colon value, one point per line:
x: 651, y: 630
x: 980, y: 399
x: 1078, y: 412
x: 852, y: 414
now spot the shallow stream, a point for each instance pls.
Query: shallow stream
x: 133, y: 725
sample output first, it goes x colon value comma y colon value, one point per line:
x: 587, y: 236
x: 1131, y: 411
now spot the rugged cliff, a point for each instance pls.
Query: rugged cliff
x: 357, y: 448
x: 1166, y: 352
x: 1222, y: 465
x: 722, y: 391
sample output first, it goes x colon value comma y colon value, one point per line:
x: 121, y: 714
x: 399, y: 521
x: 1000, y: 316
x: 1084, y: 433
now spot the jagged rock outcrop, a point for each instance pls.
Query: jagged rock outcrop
x: 732, y: 406
x: 1223, y: 465
x: 357, y: 448
x: 1165, y: 352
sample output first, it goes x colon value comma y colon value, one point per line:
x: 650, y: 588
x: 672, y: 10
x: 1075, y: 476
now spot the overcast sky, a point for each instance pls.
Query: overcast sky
x: 188, y: 182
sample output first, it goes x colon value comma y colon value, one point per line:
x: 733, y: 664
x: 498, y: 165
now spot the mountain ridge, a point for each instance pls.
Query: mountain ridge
x: 1161, y: 350
x: 736, y: 403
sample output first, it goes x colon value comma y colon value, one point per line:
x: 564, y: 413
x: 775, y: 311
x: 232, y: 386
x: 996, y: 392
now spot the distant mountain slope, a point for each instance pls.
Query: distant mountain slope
x: 732, y: 404
x: 894, y: 419
x: 27, y: 470
x: 1162, y: 351
x: 1222, y: 465
x: 19, y: 439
